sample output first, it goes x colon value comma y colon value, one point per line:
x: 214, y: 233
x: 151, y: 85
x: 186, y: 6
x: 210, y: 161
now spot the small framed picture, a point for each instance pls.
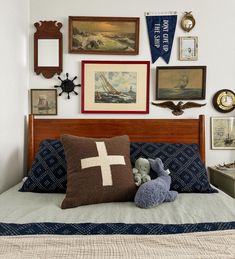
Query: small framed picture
x: 223, y: 132
x: 115, y: 86
x: 188, y: 48
x: 104, y: 35
x: 181, y: 83
x: 43, y: 101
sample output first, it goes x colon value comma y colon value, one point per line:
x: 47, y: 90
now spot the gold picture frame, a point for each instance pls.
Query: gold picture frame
x: 188, y: 48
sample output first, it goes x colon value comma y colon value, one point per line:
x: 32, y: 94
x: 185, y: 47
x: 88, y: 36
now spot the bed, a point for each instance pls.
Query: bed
x: 195, y: 225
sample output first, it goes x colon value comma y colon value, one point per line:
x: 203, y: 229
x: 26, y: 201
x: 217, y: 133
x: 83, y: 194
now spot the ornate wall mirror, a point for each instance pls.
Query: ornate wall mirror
x: 187, y: 22
x: 48, y: 48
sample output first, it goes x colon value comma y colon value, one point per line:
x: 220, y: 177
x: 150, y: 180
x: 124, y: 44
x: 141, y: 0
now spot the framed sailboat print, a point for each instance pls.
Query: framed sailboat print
x: 43, y: 101
x: 115, y: 86
x: 223, y: 132
x: 181, y: 83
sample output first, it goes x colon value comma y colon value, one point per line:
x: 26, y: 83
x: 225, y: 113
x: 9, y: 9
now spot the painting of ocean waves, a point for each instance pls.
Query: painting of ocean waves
x: 104, y: 35
x: 169, y: 93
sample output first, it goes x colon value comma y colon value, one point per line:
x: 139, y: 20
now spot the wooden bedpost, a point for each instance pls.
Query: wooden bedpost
x: 202, y: 138
x: 30, y: 141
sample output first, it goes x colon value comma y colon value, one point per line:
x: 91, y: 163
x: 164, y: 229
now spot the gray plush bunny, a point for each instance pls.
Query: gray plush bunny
x: 157, y: 191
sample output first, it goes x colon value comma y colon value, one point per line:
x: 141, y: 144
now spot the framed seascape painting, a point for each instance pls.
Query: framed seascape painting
x: 223, y: 132
x: 104, y: 35
x: 43, y: 101
x: 181, y: 83
x: 115, y: 86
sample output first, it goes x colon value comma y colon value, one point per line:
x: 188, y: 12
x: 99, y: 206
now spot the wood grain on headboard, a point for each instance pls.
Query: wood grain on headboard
x: 142, y: 130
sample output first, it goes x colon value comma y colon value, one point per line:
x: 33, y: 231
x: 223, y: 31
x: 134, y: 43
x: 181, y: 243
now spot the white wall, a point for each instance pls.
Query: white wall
x: 214, y: 26
x: 14, y: 20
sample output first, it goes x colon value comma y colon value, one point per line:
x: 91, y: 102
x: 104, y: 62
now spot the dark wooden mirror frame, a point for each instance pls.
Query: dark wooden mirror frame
x: 47, y: 30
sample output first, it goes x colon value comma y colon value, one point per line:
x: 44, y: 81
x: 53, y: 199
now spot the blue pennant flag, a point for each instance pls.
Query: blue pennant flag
x: 161, y: 30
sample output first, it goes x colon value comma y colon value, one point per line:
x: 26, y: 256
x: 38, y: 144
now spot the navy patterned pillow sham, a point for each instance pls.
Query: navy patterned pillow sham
x: 188, y: 174
x: 49, y: 171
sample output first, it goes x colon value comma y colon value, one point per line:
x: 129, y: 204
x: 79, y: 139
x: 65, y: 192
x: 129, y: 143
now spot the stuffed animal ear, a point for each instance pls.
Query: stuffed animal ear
x: 151, y: 161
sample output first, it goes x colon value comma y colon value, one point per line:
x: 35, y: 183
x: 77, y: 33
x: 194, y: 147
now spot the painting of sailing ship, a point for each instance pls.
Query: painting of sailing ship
x: 44, y: 101
x: 104, y: 35
x: 223, y: 132
x: 115, y: 87
x: 181, y: 83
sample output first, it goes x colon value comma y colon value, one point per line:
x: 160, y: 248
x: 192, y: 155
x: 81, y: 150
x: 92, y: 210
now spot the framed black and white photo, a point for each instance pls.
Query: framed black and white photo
x: 188, y: 48
x: 43, y: 101
x: 223, y: 132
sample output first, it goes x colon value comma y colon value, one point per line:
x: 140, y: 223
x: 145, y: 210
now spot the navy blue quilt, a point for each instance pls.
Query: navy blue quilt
x: 109, y: 228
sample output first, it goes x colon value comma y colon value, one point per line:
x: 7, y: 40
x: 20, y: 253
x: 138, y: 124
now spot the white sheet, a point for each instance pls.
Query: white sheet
x: 18, y: 207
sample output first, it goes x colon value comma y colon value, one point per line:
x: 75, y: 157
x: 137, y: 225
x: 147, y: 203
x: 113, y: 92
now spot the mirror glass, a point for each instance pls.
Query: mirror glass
x: 48, y: 52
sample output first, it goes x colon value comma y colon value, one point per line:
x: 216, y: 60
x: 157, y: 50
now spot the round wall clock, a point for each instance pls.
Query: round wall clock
x: 187, y: 22
x: 224, y: 100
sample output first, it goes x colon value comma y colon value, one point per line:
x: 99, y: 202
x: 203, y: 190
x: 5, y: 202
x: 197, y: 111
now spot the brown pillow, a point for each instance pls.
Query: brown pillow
x: 98, y: 170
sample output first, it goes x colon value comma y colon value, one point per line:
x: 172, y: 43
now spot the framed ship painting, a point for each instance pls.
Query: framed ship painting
x: 43, y: 101
x: 181, y: 83
x: 115, y: 86
x: 104, y: 35
x: 223, y: 132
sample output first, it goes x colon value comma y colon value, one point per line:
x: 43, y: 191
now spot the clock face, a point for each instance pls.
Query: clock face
x: 224, y: 100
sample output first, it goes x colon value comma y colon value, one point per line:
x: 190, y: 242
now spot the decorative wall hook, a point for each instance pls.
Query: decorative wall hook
x: 67, y: 85
x: 177, y: 109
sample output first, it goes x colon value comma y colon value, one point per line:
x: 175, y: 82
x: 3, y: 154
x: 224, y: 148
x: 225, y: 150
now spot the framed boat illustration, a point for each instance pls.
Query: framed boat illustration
x: 181, y: 83
x: 43, y: 101
x: 115, y: 86
x: 223, y: 132
x: 104, y: 35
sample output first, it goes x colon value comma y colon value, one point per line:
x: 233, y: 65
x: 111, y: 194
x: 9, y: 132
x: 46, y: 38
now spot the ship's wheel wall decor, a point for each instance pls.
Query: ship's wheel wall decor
x: 67, y: 86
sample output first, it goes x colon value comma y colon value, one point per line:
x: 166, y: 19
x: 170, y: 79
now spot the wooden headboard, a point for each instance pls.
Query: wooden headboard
x: 142, y: 130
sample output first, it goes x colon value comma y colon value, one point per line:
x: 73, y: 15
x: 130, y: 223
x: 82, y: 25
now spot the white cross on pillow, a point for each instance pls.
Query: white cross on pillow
x: 104, y: 161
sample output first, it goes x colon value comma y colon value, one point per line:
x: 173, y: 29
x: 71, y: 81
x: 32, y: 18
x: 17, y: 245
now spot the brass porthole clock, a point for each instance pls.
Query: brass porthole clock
x: 224, y: 100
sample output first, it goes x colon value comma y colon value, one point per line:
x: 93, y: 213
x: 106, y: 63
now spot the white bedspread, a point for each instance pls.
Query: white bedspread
x: 216, y: 245
x: 18, y: 207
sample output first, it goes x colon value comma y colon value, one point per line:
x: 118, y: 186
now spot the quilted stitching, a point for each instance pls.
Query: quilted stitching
x: 48, y: 172
x: 188, y: 174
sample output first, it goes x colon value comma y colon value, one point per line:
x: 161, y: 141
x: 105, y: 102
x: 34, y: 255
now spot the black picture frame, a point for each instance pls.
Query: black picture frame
x: 181, y: 83
x: 43, y: 101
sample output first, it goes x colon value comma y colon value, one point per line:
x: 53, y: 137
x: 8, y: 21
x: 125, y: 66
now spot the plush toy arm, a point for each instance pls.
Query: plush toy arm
x: 137, y: 178
x: 135, y: 171
x: 145, y: 178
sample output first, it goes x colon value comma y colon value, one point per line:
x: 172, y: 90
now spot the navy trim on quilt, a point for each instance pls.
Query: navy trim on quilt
x: 109, y: 228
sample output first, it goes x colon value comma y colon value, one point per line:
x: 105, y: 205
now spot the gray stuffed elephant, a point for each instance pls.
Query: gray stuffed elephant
x: 157, y: 191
